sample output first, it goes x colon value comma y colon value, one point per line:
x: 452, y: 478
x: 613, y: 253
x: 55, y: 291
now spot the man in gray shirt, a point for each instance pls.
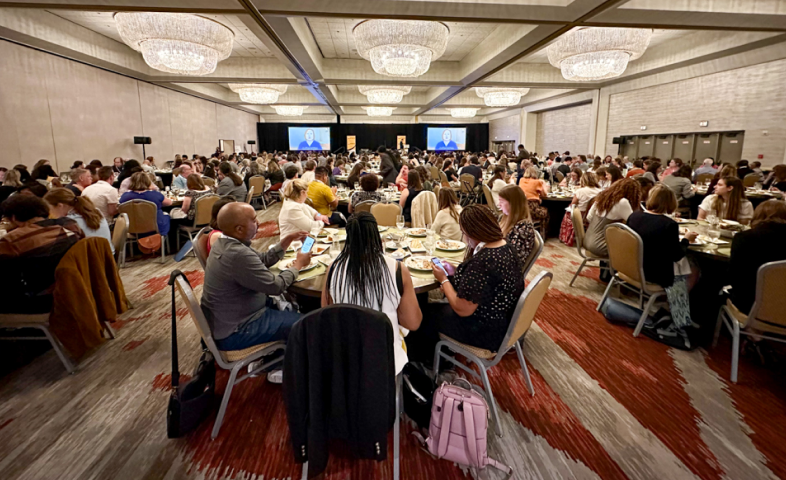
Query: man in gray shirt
x: 237, y: 283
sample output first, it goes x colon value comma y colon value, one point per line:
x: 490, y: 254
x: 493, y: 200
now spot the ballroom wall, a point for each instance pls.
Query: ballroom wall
x: 564, y: 129
x: 62, y: 110
x: 505, y: 128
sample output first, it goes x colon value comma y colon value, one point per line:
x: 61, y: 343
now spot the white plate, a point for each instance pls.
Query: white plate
x: 416, y: 232
x: 285, y: 264
x: 420, y: 263
x: 399, y: 254
x: 453, y: 245
x: 729, y: 222
x: 381, y: 229
x: 413, y: 246
x: 327, y: 231
x: 329, y: 239
x: 319, y: 249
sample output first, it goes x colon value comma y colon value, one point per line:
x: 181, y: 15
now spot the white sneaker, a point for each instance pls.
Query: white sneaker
x: 276, y: 376
x: 253, y: 366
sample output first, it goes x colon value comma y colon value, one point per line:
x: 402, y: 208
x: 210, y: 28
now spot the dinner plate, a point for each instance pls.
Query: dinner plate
x: 420, y: 263
x: 333, y: 236
x: 288, y: 263
x: 416, y: 232
x: 399, y: 254
x: 381, y: 228
x: 416, y: 246
x: 326, y: 231
x: 450, y: 245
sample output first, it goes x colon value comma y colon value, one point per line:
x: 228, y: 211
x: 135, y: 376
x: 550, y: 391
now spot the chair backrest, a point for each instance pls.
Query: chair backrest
x: 626, y: 251
x: 209, y: 182
x: 578, y: 229
x: 537, y: 249
x: 364, y: 206
x: 309, y: 202
x: 704, y: 177
x: 204, y: 209
x: 526, y: 308
x: 250, y: 195
x: 751, y: 179
x: 770, y: 303
x: 186, y: 294
x: 443, y: 178
x: 467, y: 178
x: 424, y: 209
x: 200, y: 245
x: 257, y: 182
x: 386, y: 213
x: 490, y: 200
x: 142, y: 216
x: 120, y: 233
x: 512, y: 166
x: 434, y: 172
x: 559, y: 176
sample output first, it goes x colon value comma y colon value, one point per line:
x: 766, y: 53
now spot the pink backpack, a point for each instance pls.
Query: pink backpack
x: 459, y: 424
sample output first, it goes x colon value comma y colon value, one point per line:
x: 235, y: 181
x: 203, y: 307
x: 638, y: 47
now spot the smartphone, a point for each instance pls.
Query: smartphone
x: 439, y: 264
x: 307, y: 244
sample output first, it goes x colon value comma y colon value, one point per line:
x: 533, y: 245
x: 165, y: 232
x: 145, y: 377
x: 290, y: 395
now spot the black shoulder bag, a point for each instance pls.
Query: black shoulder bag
x: 191, y: 403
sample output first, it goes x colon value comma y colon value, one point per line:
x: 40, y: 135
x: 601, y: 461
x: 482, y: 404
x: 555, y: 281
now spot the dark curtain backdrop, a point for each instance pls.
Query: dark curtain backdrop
x: 275, y: 136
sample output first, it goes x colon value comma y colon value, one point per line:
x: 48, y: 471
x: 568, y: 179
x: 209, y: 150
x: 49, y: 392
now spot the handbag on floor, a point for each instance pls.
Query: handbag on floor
x: 190, y: 403
x: 418, y: 394
x: 459, y: 426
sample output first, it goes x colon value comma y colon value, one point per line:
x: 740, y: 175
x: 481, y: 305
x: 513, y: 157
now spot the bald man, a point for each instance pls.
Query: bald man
x: 237, y: 283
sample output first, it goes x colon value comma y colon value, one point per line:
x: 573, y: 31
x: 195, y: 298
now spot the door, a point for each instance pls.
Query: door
x: 731, y: 147
x: 664, y: 145
x: 646, y: 145
x: 631, y: 147
x: 706, y: 146
x: 683, y: 147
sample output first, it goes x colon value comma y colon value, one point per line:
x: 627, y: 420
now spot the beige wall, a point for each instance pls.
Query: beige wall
x: 564, y: 129
x: 750, y: 99
x: 506, y: 128
x: 62, y: 110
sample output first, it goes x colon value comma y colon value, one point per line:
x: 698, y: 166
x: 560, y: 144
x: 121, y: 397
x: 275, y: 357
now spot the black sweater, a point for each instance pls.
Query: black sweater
x: 662, y: 245
x: 749, y: 251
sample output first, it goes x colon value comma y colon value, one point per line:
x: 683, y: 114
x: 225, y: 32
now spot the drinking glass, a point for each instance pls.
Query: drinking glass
x: 757, y: 185
x: 357, y: 186
x: 429, y: 242
x: 335, y: 249
x: 315, y: 230
x: 713, y: 231
x: 400, y: 222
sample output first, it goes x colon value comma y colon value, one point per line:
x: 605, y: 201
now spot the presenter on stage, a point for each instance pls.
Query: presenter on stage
x: 446, y: 143
x: 310, y: 144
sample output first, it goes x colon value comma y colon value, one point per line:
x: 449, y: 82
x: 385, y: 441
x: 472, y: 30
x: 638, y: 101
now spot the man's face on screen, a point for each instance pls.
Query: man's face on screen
x: 446, y: 136
x: 310, y: 135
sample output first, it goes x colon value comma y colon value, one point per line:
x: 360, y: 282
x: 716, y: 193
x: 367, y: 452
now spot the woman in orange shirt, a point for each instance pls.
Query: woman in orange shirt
x: 535, y: 191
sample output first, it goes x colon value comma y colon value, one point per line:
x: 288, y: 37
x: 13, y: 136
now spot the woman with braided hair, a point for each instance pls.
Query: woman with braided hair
x: 482, y: 292
x: 615, y: 204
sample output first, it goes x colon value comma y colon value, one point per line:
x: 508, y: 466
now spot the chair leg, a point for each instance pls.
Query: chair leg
x: 396, y: 432
x: 163, y: 250
x: 224, y: 401
x: 178, y: 240
x: 59, y: 350
x: 490, y: 397
x: 437, y: 359
x: 304, y: 474
x: 735, y: 350
x: 718, y: 326
x: 644, y: 314
x: 523, y: 362
x: 110, y: 330
x: 581, y: 267
x: 606, y: 293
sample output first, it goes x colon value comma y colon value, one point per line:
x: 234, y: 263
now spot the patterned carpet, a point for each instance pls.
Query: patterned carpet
x: 606, y: 405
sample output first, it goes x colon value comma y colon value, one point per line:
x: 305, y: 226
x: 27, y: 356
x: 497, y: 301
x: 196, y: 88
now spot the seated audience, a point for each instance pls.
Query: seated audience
x: 517, y: 225
x: 149, y: 165
x: 473, y: 168
x: 653, y: 171
x: 308, y: 174
x: 354, y: 175
x: 743, y: 169
x: 679, y: 183
x: 80, y: 179
x: 402, y: 178
x: 425, y: 178
x: 414, y: 187
x: 728, y: 202
x: 368, y: 192
x: 230, y: 183
x: 497, y: 182
x: 295, y: 215
x: 180, y: 182
x: 117, y: 165
x: 123, y: 180
x: 706, y: 167
x: 535, y: 190
x: 103, y: 195
x: 776, y: 180
x: 482, y: 292
x: 446, y: 223
x: 30, y: 252
x: 275, y: 174
x: 139, y: 189
x: 11, y: 183
x: 63, y: 203
x: 726, y: 170
x: 756, y: 167
x: 324, y: 197
x: 450, y: 172
x: 664, y: 256
x: 646, y: 185
x: 362, y: 275
x: 674, y: 165
x: 751, y: 249
x: 33, y: 188
x: 582, y: 197
x: 573, y: 179
x: 615, y: 204
x: 613, y: 174
x: 196, y: 189
x: 291, y: 174
x: 215, y: 232
x: 237, y: 283
x: 637, y: 169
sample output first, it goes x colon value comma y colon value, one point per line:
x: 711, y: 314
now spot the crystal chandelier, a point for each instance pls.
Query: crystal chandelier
x: 384, y: 93
x: 501, y: 97
x: 401, y: 48
x: 597, y: 53
x: 176, y: 42
x: 463, y: 112
x: 289, y: 110
x: 261, y: 93
x: 379, y: 111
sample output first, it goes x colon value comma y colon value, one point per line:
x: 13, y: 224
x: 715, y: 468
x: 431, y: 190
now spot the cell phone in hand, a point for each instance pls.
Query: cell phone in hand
x: 439, y: 264
x: 307, y: 244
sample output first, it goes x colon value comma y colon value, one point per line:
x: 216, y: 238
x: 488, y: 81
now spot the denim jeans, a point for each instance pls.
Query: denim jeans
x: 272, y: 325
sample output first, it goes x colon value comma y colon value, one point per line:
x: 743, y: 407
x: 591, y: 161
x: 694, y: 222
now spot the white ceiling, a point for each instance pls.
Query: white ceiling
x: 763, y: 7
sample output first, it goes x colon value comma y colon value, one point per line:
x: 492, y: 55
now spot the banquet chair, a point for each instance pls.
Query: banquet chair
x: 386, y: 213
x: 200, y: 245
x: 119, y: 239
x: 559, y: 176
x: 537, y: 249
x: 626, y: 255
x: 587, y: 256
x: 704, y: 177
x: 751, y: 179
x: 250, y: 195
x: 142, y: 218
x: 443, y: 179
x: 434, y: 172
x: 467, y: 193
x: 490, y: 201
x: 233, y: 360
x: 309, y: 202
x: 204, y: 207
x: 257, y: 182
x: 522, y: 319
x: 436, y: 189
x: 209, y: 182
x: 364, y: 206
x: 38, y: 321
x: 767, y: 315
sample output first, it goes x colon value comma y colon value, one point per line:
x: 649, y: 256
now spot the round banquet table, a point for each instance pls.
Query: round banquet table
x: 756, y: 197
x: 556, y: 205
x: 423, y: 281
x: 166, y: 177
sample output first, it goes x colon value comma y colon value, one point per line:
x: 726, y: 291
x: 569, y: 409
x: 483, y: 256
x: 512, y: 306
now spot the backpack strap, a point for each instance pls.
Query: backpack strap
x: 175, y: 367
x: 399, y: 280
x: 472, y: 439
x: 444, y: 431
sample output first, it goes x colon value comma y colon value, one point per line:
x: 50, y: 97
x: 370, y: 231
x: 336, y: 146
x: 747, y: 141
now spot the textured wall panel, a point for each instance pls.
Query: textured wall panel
x: 507, y: 128
x: 564, y: 129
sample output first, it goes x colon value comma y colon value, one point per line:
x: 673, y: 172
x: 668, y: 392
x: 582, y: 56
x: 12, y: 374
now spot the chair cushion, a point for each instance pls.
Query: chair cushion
x: 478, y: 352
x: 237, y: 355
x: 737, y: 315
x: 23, y: 318
x: 651, y: 287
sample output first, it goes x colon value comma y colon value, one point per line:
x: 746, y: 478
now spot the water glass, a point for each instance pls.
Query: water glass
x: 713, y: 231
x: 335, y: 249
x: 429, y: 242
x: 400, y: 222
x: 757, y: 185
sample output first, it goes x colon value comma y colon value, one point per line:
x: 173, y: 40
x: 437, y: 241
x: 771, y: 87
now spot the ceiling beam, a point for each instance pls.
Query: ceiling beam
x: 192, y: 6
x: 682, y: 20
